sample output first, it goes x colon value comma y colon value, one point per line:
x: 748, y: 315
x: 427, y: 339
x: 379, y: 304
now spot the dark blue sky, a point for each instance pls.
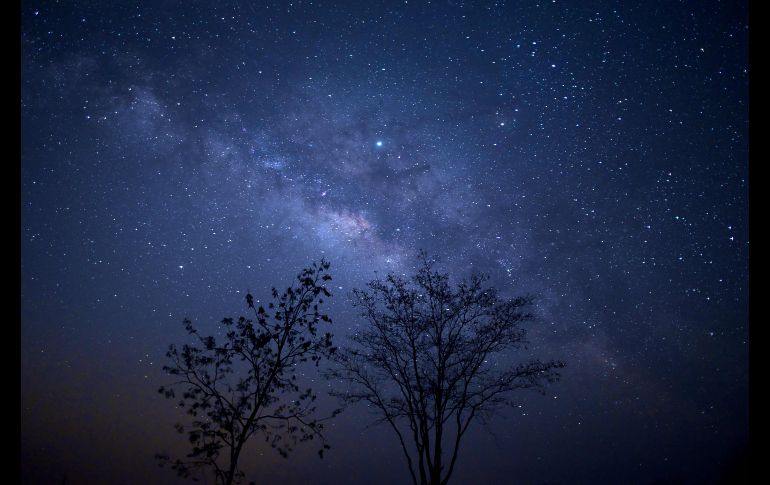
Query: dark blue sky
x: 175, y: 155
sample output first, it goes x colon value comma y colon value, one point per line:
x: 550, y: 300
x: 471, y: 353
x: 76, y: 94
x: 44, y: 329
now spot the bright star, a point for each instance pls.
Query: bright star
x: 379, y: 143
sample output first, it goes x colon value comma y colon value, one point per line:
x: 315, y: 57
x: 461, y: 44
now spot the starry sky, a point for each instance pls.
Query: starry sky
x: 175, y: 155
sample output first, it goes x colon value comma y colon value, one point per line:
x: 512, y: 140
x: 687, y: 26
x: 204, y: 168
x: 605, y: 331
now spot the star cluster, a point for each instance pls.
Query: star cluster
x: 175, y: 155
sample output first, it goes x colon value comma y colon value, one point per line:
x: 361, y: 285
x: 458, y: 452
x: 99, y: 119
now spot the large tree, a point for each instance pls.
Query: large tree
x: 429, y: 361
x: 246, y: 384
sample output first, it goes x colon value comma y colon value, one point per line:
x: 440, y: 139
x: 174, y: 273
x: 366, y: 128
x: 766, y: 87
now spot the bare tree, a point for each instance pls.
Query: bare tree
x: 247, y: 384
x: 425, y: 362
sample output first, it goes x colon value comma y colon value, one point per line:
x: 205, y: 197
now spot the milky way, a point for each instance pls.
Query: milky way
x: 175, y: 155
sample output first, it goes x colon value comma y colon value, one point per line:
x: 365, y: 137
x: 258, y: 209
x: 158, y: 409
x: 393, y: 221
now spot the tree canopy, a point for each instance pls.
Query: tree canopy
x: 246, y: 383
x: 425, y: 361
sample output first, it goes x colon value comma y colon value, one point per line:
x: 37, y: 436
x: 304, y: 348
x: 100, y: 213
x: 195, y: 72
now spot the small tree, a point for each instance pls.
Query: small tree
x: 247, y: 384
x: 425, y: 362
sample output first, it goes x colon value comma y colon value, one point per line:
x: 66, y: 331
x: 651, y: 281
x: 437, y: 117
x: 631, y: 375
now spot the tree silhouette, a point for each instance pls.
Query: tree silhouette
x: 424, y: 362
x: 247, y: 384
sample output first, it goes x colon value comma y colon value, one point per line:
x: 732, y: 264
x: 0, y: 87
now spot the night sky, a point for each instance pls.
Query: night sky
x: 175, y: 155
